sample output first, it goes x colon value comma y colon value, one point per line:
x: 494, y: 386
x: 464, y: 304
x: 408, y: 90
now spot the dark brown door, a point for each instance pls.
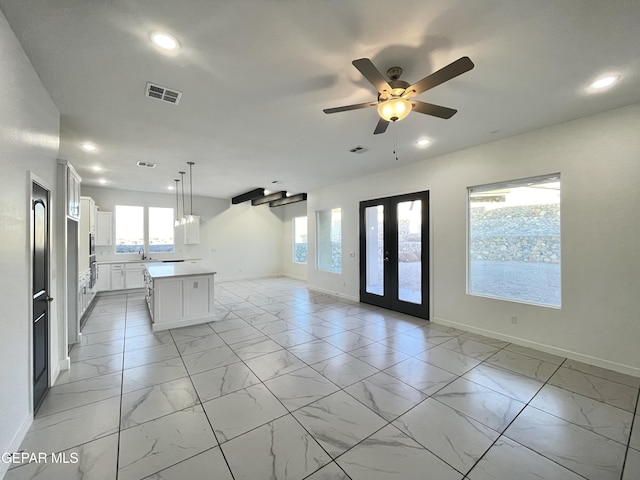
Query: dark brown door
x: 394, y: 257
x: 41, y: 299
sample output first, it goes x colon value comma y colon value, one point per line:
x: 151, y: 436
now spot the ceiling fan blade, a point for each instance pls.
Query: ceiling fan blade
x: 371, y: 73
x: 431, y: 109
x: 452, y: 70
x: 381, y: 127
x: 350, y: 107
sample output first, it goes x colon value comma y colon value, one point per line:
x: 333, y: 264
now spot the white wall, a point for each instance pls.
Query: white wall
x: 599, y: 160
x: 237, y: 241
x: 29, y: 129
x: 289, y: 267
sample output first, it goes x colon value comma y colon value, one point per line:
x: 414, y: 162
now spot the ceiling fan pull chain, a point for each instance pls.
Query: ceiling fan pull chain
x: 395, y: 140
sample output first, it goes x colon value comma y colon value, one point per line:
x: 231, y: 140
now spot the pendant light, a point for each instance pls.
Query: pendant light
x: 183, y: 220
x: 190, y: 218
x: 177, y: 222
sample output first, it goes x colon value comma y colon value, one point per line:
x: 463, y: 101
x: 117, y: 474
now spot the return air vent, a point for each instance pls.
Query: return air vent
x: 163, y: 93
x: 146, y: 164
x: 359, y: 149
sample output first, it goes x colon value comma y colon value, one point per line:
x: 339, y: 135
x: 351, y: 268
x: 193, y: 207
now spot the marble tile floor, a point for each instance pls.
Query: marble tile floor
x: 287, y: 383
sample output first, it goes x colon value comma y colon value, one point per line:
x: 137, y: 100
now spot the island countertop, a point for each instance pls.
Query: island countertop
x: 165, y: 270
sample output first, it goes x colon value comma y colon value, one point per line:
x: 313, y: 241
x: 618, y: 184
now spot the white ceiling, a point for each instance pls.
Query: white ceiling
x: 256, y: 74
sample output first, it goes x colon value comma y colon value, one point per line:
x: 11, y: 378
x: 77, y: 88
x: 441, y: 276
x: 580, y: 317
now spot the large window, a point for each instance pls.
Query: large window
x: 300, y: 239
x: 514, y: 240
x: 130, y: 229
x: 329, y: 240
x: 160, y: 230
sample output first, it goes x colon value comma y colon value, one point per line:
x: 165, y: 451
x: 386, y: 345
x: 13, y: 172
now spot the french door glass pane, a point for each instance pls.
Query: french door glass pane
x: 410, y: 251
x: 374, y: 223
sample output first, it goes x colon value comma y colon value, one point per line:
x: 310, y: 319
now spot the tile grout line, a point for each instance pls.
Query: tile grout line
x: 502, y: 433
x: 634, y: 426
x: 219, y: 445
x: 343, y: 389
x: 124, y: 347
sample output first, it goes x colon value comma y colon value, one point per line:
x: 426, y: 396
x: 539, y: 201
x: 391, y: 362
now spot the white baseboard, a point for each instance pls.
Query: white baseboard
x: 580, y: 357
x: 65, y: 364
x: 16, y: 442
x: 334, y: 294
x: 249, y: 277
x: 294, y: 277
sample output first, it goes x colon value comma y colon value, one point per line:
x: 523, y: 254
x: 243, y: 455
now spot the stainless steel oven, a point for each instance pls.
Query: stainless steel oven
x: 92, y: 244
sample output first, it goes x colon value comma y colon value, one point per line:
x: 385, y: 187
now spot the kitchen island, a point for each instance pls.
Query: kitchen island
x: 179, y: 294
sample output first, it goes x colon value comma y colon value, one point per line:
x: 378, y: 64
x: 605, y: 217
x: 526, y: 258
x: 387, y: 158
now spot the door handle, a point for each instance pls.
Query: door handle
x: 48, y: 299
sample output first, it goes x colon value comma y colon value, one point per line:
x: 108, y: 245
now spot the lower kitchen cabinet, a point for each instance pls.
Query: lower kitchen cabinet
x: 86, y: 294
x: 117, y: 276
x: 104, y: 278
x: 134, y: 275
x: 179, y: 295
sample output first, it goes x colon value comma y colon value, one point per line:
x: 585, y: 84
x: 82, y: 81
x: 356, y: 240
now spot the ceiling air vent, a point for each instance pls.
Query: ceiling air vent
x: 163, y: 93
x: 146, y: 164
x: 359, y: 149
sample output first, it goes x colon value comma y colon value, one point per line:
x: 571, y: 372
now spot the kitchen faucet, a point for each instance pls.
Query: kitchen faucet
x: 141, y: 252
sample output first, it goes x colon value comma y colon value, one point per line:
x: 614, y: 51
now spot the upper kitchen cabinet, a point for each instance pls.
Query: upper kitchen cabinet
x: 73, y: 193
x: 192, y: 231
x: 88, y: 214
x: 104, y: 228
x: 71, y: 190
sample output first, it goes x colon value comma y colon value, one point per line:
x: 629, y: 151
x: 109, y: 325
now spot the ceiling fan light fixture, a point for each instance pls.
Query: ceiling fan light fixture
x: 394, y: 109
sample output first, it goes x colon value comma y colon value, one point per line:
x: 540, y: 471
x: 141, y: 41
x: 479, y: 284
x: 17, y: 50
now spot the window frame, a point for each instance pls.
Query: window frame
x: 491, y: 189
x: 321, y: 248
x: 115, y: 232
x: 294, y: 243
x: 171, y: 224
x: 145, y: 230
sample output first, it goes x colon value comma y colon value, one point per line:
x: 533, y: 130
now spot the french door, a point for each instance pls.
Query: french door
x: 394, y: 257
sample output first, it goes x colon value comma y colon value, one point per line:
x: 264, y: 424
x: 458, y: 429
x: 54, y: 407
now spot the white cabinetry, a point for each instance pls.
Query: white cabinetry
x: 148, y: 292
x: 104, y: 228
x: 182, y: 301
x: 120, y: 276
x: 82, y: 285
x: 85, y: 293
x: 117, y: 276
x: 192, y: 232
x: 134, y: 275
x: 104, y: 278
x: 73, y: 193
x: 179, y: 295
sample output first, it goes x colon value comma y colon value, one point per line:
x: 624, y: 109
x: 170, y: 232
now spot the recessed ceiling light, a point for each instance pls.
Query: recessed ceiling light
x: 423, y: 142
x: 89, y: 147
x: 96, y: 168
x: 170, y: 187
x: 164, y: 40
x: 102, y: 181
x: 604, y: 82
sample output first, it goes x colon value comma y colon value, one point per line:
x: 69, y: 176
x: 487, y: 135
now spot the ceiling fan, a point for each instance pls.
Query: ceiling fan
x: 395, y: 97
